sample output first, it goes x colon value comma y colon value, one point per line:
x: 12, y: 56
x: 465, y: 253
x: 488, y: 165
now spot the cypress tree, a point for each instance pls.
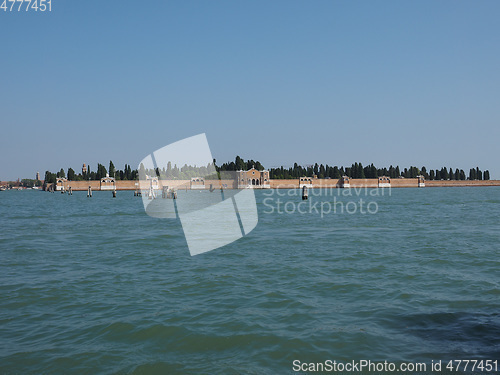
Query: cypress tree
x: 71, y: 174
x: 472, y: 174
x: 336, y: 172
x: 424, y: 172
x: 444, y: 174
x: 111, y: 169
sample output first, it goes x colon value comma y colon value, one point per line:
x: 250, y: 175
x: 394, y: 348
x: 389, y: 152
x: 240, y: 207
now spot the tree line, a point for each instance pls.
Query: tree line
x: 186, y: 172
x: 127, y: 173
x: 355, y: 171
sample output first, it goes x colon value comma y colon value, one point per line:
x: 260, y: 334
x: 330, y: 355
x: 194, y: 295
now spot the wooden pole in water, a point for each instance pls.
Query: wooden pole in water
x: 89, y: 192
x: 304, y: 193
x: 114, y: 193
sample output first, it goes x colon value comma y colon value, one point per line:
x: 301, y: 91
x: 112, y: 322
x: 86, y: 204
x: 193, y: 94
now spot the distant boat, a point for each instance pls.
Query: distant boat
x: 3, y: 188
x: 35, y: 188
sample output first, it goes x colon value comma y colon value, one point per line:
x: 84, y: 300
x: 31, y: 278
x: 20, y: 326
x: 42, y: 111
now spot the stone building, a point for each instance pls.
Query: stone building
x: 253, y: 179
x: 345, y: 182
x: 197, y: 183
x: 61, y: 184
x: 384, y: 181
x: 108, y: 183
x: 305, y: 181
x: 421, y: 181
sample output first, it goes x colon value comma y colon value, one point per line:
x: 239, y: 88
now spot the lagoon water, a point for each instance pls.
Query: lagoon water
x: 95, y: 285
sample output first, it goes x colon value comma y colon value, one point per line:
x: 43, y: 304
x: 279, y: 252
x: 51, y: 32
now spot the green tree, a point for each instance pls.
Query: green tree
x: 444, y: 173
x: 424, y: 172
x: 361, y: 171
x: 50, y: 178
x: 101, y: 172
x: 111, y: 169
x: 27, y: 182
x: 71, y: 174
x: 472, y: 174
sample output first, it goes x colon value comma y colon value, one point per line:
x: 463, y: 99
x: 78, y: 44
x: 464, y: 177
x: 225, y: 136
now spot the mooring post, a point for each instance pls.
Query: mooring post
x: 304, y: 193
x: 70, y: 191
x: 89, y: 192
x: 114, y: 193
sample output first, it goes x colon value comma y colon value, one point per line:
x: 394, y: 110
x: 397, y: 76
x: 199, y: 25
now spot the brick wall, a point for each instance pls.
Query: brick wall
x: 288, y: 184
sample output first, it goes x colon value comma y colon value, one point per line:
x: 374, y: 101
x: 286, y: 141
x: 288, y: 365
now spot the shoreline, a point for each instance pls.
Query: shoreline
x: 135, y: 185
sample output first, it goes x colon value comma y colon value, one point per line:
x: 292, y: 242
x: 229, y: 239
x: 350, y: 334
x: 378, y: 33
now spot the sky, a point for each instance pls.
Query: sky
x: 334, y: 82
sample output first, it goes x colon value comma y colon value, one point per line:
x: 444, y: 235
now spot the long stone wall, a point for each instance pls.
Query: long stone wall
x: 363, y: 182
x: 404, y: 182
x: 286, y: 184
x: 461, y: 183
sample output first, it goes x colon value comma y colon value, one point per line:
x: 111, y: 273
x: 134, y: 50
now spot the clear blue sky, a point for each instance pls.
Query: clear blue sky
x: 394, y: 82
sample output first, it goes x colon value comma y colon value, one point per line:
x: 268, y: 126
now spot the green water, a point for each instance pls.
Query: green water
x: 96, y: 286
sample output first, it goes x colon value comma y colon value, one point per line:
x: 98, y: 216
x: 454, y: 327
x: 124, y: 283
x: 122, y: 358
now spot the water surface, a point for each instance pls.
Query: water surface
x: 97, y: 286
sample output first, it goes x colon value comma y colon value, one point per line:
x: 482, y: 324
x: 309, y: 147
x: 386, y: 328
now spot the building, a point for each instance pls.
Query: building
x: 84, y: 169
x: 61, y: 184
x: 384, y: 181
x: 305, y: 181
x: 345, y: 182
x: 253, y: 179
x: 197, y: 183
x: 108, y: 183
x: 37, y: 176
x: 421, y: 181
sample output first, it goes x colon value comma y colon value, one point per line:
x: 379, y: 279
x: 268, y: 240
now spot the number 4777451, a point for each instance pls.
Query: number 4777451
x: 26, y: 5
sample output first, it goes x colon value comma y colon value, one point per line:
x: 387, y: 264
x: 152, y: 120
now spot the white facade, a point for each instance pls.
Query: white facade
x: 197, y: 183
x: 384, y: 182
x: 305, y: 181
